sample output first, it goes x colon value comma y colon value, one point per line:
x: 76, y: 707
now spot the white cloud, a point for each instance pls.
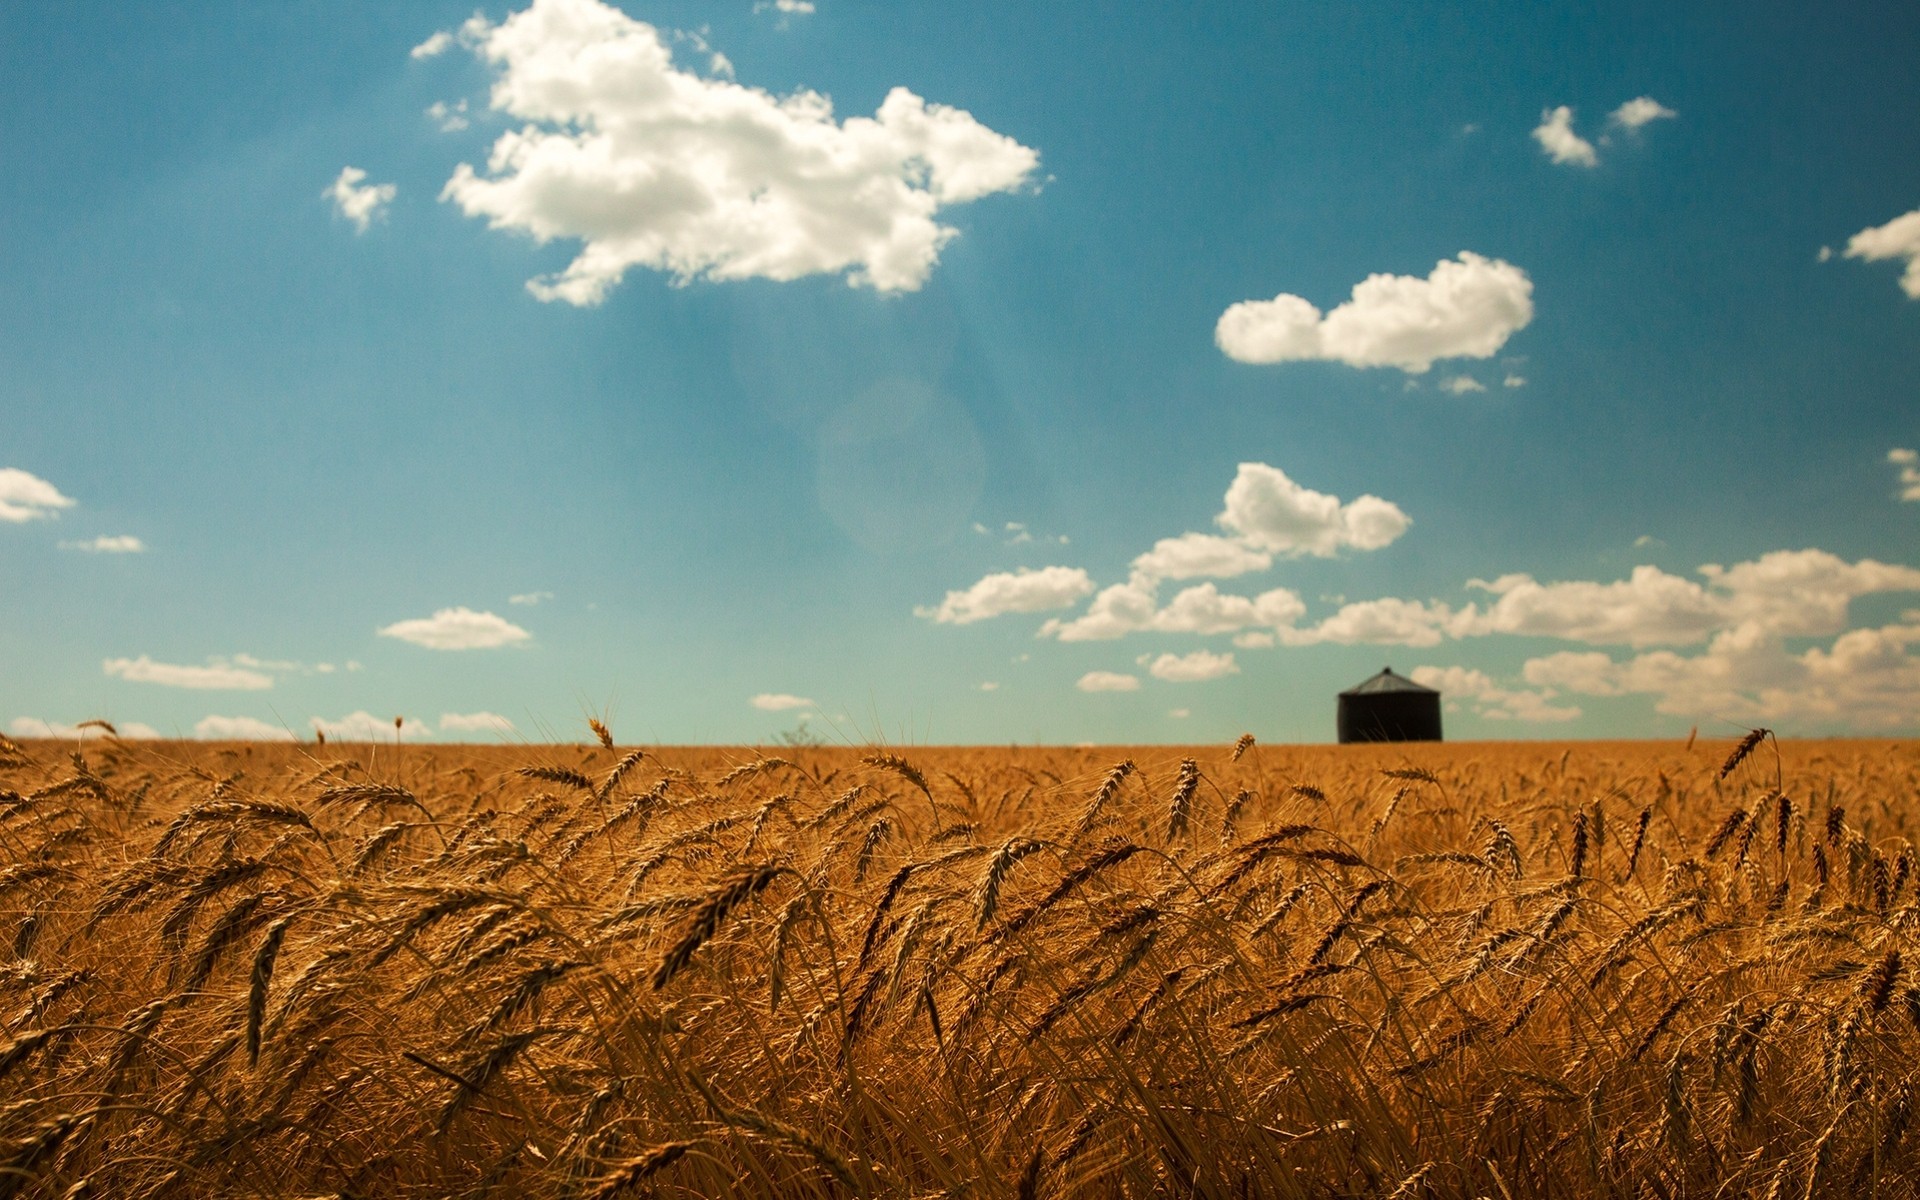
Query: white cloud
x: 1909, y: 463
x: 1197, y: 667
x: 1556, y: 136
x: 780, y: 702
x: 1460, y: 385
x: 439, y: 43
x: 1132, y: 607
x: 785, y: 7
x: 1898, y: 238
x: 1022, y: 591
x: 363, y: 726
x: 989, y: 686
x: 35, y: 727
x: 1200, y: 555
x: 1384, y: 622
x: 124, y: 543
x: 1108, y: 681
x: 1866, y: 678
x: 1514, y: 381
x: 1466, y: 308
x: 1272, y: 512
x: 217, y: 676
x: 240, y: 729
x: 1641, y: 111
x: 25, y: 497
x: 458, y: 629
x: 652, y: 166
x: 1491, y: 700
x: 475, y: 722
x: 528, y: 599
x: 358, y: 201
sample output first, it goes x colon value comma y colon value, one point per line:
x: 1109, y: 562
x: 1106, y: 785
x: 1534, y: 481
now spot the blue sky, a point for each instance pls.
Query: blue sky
x: 1083, y: 374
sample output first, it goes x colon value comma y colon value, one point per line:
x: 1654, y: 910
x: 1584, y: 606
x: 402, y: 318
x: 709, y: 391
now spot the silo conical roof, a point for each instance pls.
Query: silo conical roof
x: 1386, y: 681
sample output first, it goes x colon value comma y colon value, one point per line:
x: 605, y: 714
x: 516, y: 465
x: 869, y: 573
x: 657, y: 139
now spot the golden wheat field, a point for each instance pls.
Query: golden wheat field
x: 1222, y: 971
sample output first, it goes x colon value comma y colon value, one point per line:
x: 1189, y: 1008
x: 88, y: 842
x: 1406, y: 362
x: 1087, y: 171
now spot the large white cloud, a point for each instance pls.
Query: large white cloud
x: 357, y: 200
x: 458, y: 629
x: 1492, y: 701
x: 1560, y: 143
x: 1196, y: 667
x: 1273, y: 513
x: 1022, y: 591
x: 652, y: 166
x: 1898, y: 239
x: 26, y: 497
x: 36, y: 727
x: 218, y: 676
x: 1466, y: 308
x: 240, y: 729
x: 1863, y: 679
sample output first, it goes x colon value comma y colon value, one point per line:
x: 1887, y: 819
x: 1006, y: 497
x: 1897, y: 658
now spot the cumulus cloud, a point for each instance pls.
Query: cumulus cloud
x: 458, y: 629
x: 358, y: 201
x: 240, y: 729
x: 1273, y: 513
x: 1108, y: 681
x: 1467, y: 307
x: 780, y: 702
x: 1460, y: 385
x: 363, y: 726
x: 36, y: 727
x: 1384, y: 622
x: 1863, y: 679
x: 1021, y: 591
x: 124, y: 543
x: 438, y: 44
x: 25, y: 497
x: 219, y: 676
x: 1561, y: 144
x: 1201, y: 555
x: 1897, y: 239
x: 1133, y: 607
x: 1908, y: 462
x: 1197, y: 667
x: 1492, y: 701
x: 1642, y: 110
x: 652, y: 166
x: 474, y: 722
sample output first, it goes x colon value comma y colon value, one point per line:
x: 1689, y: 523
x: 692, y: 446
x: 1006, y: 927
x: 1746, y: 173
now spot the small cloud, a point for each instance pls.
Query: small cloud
x: 786, y: 8
x: 1514, y: 381
x: 215, y: 677
x: 1825, y: 255
x: 358, y: 201
x: 124, y: 543
x: 1108, y: 681
x: 989, y: 686
x: 35, y: 727
x: 240, y: 729
x: 1460, y: 385
x: 439, y: 43
x: 1897, y: 239
x: 1909, y: 463
x: 476, y: 722
x: 458, y: 629
x: 1561, y: 144
x: 1466, y: 307
x: 780, y: 702
x: 720, y: 65
x: 1641, y: 111
x: 1469, y: 129
x: 1197, y: 667
x: 25, y: 497
x: 451, y: 118
x: 1179, y: 714
x: 1645, y: 540
x: 529, y: 599
x: 363, y: 726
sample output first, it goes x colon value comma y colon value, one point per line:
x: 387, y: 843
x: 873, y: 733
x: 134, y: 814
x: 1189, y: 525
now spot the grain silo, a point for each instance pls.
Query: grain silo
x: 1389, y: 708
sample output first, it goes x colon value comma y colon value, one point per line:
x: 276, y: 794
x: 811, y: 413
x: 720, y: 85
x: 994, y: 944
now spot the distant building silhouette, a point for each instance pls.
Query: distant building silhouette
x: 1389, y: 708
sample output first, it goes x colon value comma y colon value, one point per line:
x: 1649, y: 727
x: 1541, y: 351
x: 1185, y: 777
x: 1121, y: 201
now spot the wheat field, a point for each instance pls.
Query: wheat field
x: 1516, y: 970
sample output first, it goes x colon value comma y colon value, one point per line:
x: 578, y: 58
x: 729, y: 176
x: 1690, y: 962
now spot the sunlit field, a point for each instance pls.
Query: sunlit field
x: 1234, y: 970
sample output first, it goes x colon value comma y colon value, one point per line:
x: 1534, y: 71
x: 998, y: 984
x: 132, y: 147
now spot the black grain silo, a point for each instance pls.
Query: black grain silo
x: 1389, y: 708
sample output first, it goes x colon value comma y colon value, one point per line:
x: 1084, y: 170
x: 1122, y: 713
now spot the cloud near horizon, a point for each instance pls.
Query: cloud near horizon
x: 36, y: 727
x: 649, y: 165
x: 458, y: 628
x: 216, y: 676
x: 1466, y: 307
x: 780, y: 702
